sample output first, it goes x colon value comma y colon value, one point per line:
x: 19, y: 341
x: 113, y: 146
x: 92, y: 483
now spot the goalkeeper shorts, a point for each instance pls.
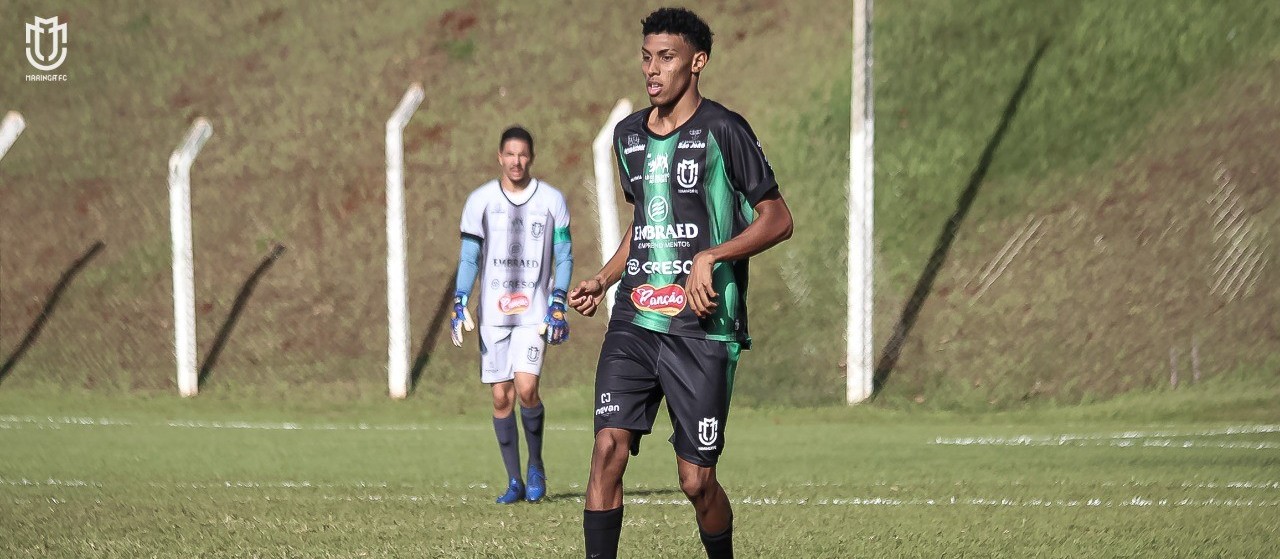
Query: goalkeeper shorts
x: 507, y: 350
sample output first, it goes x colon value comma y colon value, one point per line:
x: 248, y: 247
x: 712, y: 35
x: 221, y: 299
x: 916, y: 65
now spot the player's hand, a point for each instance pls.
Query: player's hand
x: 587, y: 296
x: 698, y: 291
x: 461, y: 319
x: 556, y: 325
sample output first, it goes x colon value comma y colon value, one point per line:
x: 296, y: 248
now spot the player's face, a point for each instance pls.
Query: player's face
x: 515, y: 159
x: 669, y: 63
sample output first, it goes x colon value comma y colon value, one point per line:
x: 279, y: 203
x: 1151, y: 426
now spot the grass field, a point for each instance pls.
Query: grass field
x: 1186, y: 475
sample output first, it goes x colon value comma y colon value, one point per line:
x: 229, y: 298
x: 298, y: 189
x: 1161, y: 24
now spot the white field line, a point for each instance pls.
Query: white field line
x: 18, y: 422
x: 1095, y: 502
x: 1260, y: 485
x: 1123, y: 439
x: 890, y: 502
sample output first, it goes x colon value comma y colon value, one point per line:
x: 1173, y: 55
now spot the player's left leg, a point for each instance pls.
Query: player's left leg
x: 528, y: 347
x: 532, y: 415
x: 697, y: 376
x: 711, y: 505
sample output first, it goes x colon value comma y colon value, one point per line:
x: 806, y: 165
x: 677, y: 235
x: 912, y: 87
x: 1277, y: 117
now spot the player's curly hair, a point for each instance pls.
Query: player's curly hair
x: 682, y: 22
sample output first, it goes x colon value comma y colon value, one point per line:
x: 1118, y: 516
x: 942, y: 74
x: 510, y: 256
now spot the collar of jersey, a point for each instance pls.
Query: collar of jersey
x: 533, y: 186
x: 644, y: 121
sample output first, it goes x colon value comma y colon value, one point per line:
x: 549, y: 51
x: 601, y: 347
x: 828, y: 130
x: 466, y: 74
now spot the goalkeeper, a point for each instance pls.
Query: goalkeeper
x: 513, y: 228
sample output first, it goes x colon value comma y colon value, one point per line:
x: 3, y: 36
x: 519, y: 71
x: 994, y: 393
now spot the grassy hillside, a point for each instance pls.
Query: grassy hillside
x: 1124, y: 124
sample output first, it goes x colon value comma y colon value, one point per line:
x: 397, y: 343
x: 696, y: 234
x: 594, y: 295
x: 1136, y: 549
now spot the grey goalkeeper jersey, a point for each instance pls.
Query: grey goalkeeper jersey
x: 516, y: 257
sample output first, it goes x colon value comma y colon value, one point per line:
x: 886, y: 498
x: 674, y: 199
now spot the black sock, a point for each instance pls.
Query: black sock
x: 509, y: 444
x: 602, y: 529
x: 532, y: 419
x: 719, y: 546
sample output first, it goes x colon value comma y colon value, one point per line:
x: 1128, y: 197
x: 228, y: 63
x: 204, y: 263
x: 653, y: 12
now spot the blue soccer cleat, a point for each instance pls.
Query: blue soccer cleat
x: 537, y: 484
x: 515, y: 492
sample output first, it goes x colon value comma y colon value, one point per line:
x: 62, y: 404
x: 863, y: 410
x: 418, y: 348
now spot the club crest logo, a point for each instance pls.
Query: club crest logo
x: 536, y: 230
x: 534, y: 354
x: 667, y: 300
x: 46, y: 33
x: 657, y: 209
x: 708, y: 431
x: 513, y: 303
x: 687, y: 173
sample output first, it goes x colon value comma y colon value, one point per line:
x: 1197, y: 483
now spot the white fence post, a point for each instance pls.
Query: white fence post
x: 184, y: 305
x: 9, y: 131
x: 606, y: 201
x: 859, y: 357
x: 397, y: 275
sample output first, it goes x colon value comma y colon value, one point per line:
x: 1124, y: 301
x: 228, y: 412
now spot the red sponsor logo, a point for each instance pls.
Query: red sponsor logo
x: 668, y: 299
x: 513, y: 303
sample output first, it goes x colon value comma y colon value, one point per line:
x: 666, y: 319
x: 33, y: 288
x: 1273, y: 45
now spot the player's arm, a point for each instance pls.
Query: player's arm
x: 587, y: 296
x: 773, y: 224
x: 468, y: 269
x: 556, y: 324
x: 752, y: 177
x: 472, y: 228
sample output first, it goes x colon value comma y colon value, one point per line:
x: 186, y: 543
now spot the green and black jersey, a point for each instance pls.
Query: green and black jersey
x: 692, y: 189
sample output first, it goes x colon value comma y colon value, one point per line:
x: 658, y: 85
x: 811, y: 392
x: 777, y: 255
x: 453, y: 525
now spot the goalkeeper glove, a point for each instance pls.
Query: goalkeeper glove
x: 461, y: 319
x: 556, y: 325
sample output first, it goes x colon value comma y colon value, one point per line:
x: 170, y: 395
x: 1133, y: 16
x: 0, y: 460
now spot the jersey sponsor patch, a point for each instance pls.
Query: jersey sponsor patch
x: 667, y: 300
x: 513, y: 303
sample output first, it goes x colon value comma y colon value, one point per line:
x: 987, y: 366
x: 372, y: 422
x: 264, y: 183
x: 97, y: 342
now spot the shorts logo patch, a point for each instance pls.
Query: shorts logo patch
x: 708, y: 432
x: 534, y: 354
x: 606, y: 408
x: 667, y: 300
x: 513, y: 303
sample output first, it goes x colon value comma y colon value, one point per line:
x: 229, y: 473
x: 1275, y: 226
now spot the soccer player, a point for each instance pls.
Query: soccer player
x: 513, y: 227
x: 705, y: 199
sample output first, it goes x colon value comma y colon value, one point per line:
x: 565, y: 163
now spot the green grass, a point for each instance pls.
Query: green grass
x: 817, y: 482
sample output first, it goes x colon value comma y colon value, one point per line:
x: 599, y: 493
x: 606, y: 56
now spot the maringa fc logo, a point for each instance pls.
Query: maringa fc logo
x: 46, y: 33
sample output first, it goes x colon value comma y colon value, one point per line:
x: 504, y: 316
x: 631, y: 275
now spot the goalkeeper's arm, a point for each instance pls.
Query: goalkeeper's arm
x: 556, y: 323
x: 468, y: 268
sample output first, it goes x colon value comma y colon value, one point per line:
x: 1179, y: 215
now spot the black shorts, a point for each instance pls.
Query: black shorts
x: 639, y: 366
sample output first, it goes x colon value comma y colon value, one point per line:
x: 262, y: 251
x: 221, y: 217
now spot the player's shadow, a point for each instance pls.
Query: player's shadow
x: 426, y: 349
x: 242, y: 298
x: 924, y: 286
x: 50, y: 303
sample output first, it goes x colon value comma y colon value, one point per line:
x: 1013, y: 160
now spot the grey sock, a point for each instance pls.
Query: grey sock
x: 532, y: 419
x: 509, y: 444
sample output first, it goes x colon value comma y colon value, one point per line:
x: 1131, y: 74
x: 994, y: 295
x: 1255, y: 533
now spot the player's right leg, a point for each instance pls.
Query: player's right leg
x: 496, y: 371
x: 626, y: 403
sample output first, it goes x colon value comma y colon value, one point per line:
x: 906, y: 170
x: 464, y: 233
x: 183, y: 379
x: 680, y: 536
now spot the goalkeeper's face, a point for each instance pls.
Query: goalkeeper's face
x: 515, y: 158
x: 671, y: 66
